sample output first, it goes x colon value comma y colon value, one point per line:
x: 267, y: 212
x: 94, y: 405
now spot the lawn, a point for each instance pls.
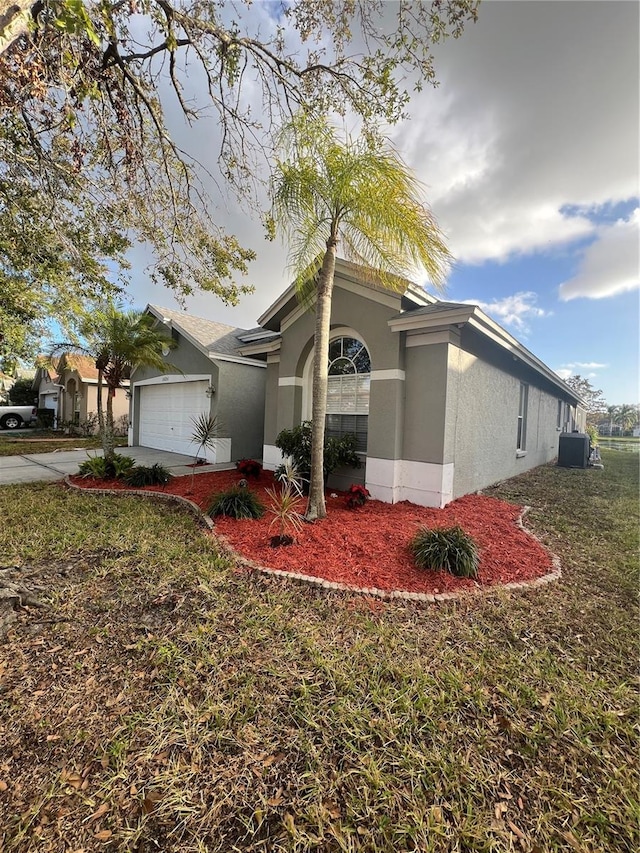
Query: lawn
x: 169, y: 701
x: 45, y: 442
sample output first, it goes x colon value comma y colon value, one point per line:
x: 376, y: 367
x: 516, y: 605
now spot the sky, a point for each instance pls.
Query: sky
x: 528, y: 151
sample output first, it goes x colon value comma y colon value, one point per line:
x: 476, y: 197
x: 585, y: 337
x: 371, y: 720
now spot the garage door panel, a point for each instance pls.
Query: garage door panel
x: 167, y: 413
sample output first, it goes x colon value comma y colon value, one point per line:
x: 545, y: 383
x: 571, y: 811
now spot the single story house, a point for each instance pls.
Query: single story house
x: 207, y: 374
x: 442, y: 399
x: 68, y: 386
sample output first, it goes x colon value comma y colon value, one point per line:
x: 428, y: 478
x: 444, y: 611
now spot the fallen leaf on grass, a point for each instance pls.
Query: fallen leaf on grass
x: 103, y: 835
x: 99, y: 812
x: 3, y: 785
x: 545, y: 699
x: 500, y: 809
x: 573, y: 841
x: 151, y: 801
x: 72, y: 779
x: 515, y: 830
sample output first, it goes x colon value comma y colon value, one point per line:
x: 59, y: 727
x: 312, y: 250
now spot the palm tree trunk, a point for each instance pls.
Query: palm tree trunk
x: 316, y: 507
x: 108, y: 437
x: 99, y: 404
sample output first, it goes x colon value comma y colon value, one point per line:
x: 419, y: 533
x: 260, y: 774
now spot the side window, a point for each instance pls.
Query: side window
x: 522, y: 417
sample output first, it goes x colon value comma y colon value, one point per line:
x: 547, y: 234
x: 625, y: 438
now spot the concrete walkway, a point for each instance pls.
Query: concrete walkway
x: 39, y: 467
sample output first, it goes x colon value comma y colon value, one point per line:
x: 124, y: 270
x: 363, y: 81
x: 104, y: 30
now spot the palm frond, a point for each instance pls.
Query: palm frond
x: 361, y: 190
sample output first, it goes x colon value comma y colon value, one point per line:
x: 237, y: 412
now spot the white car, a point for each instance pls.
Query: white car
x: 13, y: 417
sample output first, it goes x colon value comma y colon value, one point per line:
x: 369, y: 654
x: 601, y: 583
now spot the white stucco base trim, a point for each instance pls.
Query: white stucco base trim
x: 271, y: 457
x: 221, y: 451
x: 422, y: 483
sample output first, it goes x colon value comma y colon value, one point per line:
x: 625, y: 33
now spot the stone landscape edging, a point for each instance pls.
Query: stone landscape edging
x: 388, y: 595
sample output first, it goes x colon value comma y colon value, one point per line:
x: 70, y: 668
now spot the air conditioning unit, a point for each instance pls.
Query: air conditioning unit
x: 574, y: 449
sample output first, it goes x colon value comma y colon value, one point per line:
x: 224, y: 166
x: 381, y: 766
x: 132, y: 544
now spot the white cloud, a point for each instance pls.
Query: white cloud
x: 564, y: 372
x: 610, y: 265
x: 533, y: 127
x: 514, y: 310
x: 578, y: 368
x: 515, y: 146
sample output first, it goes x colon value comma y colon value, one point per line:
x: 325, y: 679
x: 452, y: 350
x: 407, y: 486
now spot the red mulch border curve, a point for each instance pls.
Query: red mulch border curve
x: 365, y: 550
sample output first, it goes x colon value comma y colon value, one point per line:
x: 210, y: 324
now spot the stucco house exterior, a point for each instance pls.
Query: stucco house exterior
x: 69, y: 388
x: 443, y: 400
x: 207, y: 374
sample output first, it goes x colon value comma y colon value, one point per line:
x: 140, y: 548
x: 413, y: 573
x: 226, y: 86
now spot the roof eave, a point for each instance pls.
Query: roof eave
x: 478, y: 320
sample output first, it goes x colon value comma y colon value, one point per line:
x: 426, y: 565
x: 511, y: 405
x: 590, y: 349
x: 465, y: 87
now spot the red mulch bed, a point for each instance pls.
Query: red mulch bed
x: 369, y: 546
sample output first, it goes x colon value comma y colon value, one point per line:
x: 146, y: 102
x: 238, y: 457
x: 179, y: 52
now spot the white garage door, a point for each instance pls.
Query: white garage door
x: 167, y: 412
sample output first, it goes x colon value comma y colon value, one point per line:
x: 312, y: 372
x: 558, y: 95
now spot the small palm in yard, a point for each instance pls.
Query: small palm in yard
x: 205, y: 435
x: 286, y: 504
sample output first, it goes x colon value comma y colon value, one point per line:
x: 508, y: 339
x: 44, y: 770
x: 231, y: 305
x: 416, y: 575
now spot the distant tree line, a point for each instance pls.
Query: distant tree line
x: 609, y: 419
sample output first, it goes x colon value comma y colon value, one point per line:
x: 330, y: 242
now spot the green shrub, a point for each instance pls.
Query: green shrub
x: 236, y: 503
x: 447, y: 549
x: 94, y: 466
x: 98, y: 468
x: 46, y: 418
x: 296, y: 443
x: 122, y: 465
x: 148, y: 475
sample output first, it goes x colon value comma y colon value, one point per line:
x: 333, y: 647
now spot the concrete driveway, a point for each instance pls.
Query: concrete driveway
x: 38, y: 467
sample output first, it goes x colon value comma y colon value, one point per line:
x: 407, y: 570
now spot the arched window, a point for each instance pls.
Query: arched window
x: 348, y: 390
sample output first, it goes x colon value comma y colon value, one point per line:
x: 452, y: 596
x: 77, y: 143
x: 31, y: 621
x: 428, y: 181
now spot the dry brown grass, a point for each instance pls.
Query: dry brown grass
x: 167, y: 701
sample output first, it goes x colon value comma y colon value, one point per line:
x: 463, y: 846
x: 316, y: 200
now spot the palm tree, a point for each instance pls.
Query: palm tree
x: 627, y: 415
x: 357, y: 194
x: 119, y: 341
x: 612, y: 411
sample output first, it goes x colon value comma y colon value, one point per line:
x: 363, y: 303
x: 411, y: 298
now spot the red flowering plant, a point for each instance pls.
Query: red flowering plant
x: 249, y: 468
x: 357, y: 496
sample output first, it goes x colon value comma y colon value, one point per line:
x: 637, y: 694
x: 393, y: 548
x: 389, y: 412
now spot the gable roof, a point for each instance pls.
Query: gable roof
x: 358, y: 277
x: 47, y: 365
x: 215, y: 340
x: 84, y: 365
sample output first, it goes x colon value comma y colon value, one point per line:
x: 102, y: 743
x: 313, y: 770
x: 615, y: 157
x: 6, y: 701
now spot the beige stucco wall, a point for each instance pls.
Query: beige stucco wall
x: 88, y: 400
x: 426, y: 403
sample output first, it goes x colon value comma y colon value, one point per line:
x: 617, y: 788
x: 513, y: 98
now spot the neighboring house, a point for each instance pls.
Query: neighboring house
x: 45, y: 385
x: 443, y: 401
x: 207, y: 375
x: 77, y: 383
x: 6, y: 384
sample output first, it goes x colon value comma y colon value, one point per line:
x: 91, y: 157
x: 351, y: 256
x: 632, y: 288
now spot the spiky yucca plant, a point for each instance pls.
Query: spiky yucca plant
x: 205, y: 434
x: 447, y: 549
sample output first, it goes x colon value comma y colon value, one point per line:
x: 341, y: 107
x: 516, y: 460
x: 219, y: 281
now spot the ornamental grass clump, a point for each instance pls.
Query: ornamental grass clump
x: 447, y: 549
x: 148, y: 475
x: 236, y: 503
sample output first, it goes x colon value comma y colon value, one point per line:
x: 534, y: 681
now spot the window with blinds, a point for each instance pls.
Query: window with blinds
x: 348, y: 388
